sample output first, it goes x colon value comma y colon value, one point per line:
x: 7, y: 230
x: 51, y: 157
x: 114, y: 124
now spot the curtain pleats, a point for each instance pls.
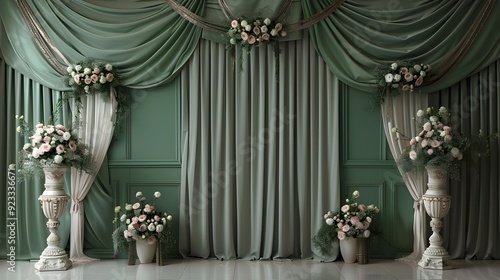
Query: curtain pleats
x: 260, y: 157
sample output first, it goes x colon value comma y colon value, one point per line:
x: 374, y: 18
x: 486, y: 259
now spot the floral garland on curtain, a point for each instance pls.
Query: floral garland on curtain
x: 399, y: 77
x: 94, y: 76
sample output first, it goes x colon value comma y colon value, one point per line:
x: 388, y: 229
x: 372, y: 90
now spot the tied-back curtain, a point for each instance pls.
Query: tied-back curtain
x: 96, y: 117
x: 399, y: 111
x: 260, y: 158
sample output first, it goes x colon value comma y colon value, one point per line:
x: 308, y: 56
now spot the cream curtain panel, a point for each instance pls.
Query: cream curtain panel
x: 260, y: 158
x: 97, y: 117
x: 399, y: 112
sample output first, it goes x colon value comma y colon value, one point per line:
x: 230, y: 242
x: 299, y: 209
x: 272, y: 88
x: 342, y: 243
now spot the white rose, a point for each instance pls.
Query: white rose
x: 157, y: 194
x: 108, y: 67
x: 138, y: 194
x: 397, y: 78
x: 420, y: 113
x: 274, y: 32
x: 159, y: 228
x: 368, y: 219
x: 394, y: 66
x: 66, y: 135
x: 127, y: 221
x: 35, y: 153
x: 73, y: 73
x: 267, y: 21
x: 264, y: 29
x: 244, y: 23
x: 58, y: 159
x: 248, y: 27
x: 69, y: 69
x: 123, y: 218
x: 422, y: 73
x: 329, y: 221
x: 232, y: 41
x: 366, y: 233
x: 125, y: 233
x: 455, y: 152
x: 102, y: 80
x: 169, y: 218
x: 78, y: 68
x: 355, y: 194
x: 151, y: 227
x: 417, y: 68
x: 389, y: 78
x: 128, y: 207
x: 87, y: 89
x: 87, y: 71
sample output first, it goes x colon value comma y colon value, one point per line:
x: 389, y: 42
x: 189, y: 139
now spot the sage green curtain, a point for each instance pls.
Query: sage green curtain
x: 146, y: 40
x: 471, y: 227
x: 31, y: 232
x: 362, y: 34
x: 260, y: 157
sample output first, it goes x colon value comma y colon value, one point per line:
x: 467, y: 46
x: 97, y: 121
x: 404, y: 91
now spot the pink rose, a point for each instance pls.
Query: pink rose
x: 278, y: 27
x: 448, y: 138
x: 76, y: 78
x: 256, y: 30
x: 413, y: 141
x: 234, y: 23
x: 413, y: 155
x: 430, y: 151
x: 88, y: 80
x: 429, y: 134
x: 354, y: 220
x: 44, y: 148
x: 341, y: 235
x: 60, y: 149
x: 346, y: 228
x: 427, y: 126
x: 408, y: 77
x: 419, y: 81
x: 143, y: 227
x: 72, y: 146
x: 404, y: 70
x: 424, y: 143
x: 251, y: 39
x: 109, y: 77
x: 47, y: 139
x: 265, y: 37
x: 362, y: 207
x: 405, y: 88
x: 26, y: 146
x: 135, y: 219
x: 37, y: 139
x: 345, y: 208
x: 447, y: 128
x: 136, y: 206
x: 94, y: 78
x: 435, y: 143
x: 283, y: 33
x: 96, y: 70
x: 157, y: 218
x: 142, y: 218
x: 340, y: 225
x: 244, y: 36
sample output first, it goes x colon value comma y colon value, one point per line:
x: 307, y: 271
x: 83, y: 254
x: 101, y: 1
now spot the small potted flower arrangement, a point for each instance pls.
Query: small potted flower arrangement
x: 353, y: 220
x: 143, y: 223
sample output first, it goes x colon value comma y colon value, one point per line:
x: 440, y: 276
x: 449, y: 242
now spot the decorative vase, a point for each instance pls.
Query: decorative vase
x: 437, y: 204
x: 349, y: 249
x: 145, y: 251
x: 53, y: 201
x: 364, y: 250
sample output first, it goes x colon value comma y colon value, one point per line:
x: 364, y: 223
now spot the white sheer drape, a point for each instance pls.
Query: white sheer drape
x: 260, y: 158
x: 400, y: 111
x: 97, y: 117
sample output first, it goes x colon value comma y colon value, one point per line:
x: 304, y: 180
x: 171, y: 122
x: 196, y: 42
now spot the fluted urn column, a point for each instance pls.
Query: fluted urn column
x: 437, y: 204
x: 53, y: 200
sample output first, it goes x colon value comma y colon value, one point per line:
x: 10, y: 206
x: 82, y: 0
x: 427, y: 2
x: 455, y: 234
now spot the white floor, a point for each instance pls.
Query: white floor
x: 255, y: 270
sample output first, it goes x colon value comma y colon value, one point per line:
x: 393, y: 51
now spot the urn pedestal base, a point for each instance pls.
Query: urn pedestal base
x: 51, y: 263
x: 441, y: 261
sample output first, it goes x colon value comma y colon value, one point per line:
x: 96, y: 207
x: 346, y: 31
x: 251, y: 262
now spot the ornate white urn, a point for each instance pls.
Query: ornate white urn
x: 53, y: 201
x: 437, y: 204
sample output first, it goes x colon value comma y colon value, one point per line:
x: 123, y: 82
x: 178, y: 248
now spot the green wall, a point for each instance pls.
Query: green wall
x: 146, y: 156
x: 368, y: 166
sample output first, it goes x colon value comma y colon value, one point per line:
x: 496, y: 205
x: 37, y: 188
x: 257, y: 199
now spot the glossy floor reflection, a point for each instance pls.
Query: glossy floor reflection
x: 196, y: 269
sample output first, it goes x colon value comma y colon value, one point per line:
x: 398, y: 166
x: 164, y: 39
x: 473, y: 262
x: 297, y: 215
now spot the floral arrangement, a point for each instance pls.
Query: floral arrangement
x: 91, y: 77
x: 353, y: 220
x: 400, y: 76
x: 51, y: 145
x: 437, y: 143
x: 256, y: 32
x: 141, y: 222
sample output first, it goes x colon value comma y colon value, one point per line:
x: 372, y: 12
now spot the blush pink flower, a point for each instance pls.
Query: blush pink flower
x: 244, y: 36
x: 362, y: 207
x: 44, y: 148
x: 354, y: 220
x: 413, y: 155
x: 346, y: 228
x: 234, y: 23
x: 60, y: 149
x: 427, y: 126
x: 341, y: 235
x: 47, y: 139
x: 419, y: 81
x: 96, y: 70
x: 109, y: 77
x: 435, y: 143
x: 429, y: 134
x: 345, y: 208
x: 88, y: 80
x: 72, y: 146
x: 251, y: 39
x: 430, y: 151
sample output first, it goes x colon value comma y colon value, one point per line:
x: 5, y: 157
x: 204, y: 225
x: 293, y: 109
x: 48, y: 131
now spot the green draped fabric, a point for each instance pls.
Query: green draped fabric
x: 147, y: 41
x: 362, y: 34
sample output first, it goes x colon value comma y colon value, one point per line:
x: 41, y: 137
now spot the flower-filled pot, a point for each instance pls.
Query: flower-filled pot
x: 146, y: 251
x: 349, y: 249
